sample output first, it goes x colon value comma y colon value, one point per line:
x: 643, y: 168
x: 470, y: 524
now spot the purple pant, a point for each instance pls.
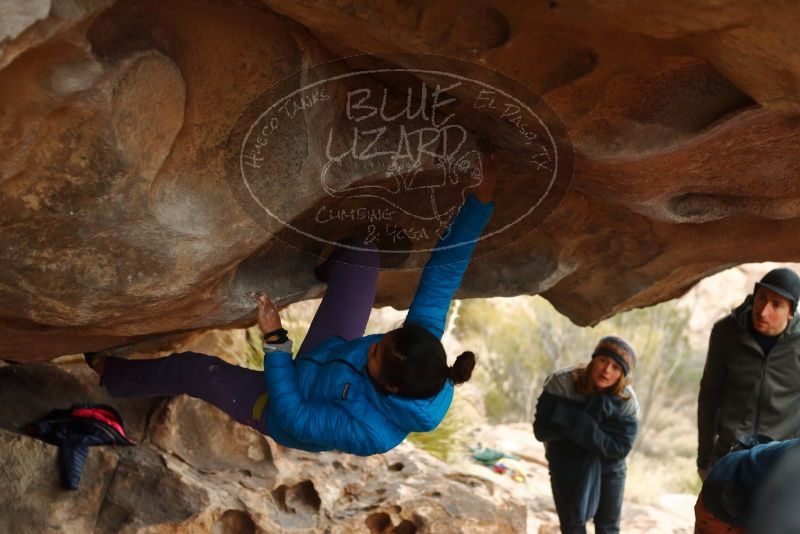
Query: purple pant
x: 239, y: 392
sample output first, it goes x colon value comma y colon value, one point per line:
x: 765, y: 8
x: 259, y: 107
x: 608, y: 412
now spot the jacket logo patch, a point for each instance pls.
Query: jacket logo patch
x: 345, y: 391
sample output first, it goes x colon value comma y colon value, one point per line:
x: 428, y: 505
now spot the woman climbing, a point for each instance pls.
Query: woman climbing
x: 355, y: 394
x: 586, y: 417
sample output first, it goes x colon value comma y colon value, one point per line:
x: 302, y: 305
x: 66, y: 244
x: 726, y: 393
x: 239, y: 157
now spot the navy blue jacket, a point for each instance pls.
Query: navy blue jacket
x: 583, y: 437
x: 729, y: 489
x: 325, y: 400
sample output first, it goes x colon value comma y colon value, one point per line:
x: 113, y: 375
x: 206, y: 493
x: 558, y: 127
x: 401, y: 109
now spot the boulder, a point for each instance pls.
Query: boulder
x: 122, y: 222
x: 195, y: 470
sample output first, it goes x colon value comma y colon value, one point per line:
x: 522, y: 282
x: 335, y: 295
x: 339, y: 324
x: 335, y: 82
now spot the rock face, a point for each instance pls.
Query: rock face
x: 195, y: 470
x: 119, y: 224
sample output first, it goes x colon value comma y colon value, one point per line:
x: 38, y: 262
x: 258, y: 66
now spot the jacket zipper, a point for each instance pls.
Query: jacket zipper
x: 756, y: 421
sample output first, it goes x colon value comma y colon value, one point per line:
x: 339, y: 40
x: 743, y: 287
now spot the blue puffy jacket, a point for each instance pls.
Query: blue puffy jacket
x: 325, y: 400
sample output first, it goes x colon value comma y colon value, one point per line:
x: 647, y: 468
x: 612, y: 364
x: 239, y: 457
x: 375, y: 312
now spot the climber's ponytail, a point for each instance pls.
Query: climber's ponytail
x: 461, y: 371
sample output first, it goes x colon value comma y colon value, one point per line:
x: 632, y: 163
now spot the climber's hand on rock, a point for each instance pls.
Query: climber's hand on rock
x: 268, y: 318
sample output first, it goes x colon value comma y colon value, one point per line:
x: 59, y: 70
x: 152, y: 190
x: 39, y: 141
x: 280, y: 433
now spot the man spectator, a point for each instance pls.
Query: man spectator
x: 751, y: 380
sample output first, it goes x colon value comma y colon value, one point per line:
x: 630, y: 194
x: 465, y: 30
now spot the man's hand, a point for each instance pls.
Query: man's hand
x: 485, y: 190
x: 268, y: 318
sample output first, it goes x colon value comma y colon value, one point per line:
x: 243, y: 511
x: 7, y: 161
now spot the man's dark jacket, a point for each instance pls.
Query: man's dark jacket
x: 744, y: 391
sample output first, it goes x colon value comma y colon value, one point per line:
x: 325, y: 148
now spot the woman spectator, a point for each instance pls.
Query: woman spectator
x: 586, y: 417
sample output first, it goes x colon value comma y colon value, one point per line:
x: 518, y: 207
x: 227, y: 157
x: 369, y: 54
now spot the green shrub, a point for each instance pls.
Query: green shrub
x: 453, y: 437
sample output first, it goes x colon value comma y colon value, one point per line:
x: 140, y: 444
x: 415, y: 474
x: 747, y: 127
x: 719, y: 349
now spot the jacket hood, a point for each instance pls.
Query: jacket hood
x: 410, y: 415
x: 745, y: 309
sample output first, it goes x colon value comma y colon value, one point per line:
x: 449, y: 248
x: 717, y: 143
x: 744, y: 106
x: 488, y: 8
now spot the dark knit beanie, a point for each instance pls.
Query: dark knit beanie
x: 784, y: 282
x: 618, y: 350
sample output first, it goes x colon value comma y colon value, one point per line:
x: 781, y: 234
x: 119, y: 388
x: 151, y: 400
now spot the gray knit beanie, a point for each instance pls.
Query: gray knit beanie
x: 618, y: 350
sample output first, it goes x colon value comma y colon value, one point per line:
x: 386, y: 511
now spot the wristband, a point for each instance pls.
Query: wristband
x: 281, y: 344
x: 283, y: 336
